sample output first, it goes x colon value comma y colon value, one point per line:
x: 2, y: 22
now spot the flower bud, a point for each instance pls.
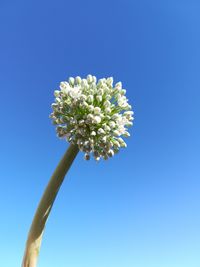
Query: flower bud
x: 57, y: 99
x: 94, y: 79
x: 116, y: 117
x: 90, y: 117
x: 97, y: 158
x: 99, y: 98
x: 108, y: 97
x: 101, y: 82
x: 91, y: 108
x: 116, y: 133
x: 123, y: 92
x: 116, y: 150
x: 56, y: 93
x: 78, y: 80
x: 96, y: 153
x: 126, y: 134
x: 104, y: 139
x: 107, y: 103
x: 118, y: 85
x: 83, y: 97
x: 109, y: 81
x: 105, y: 157
x: 90, y: 98
x: 100, y: 131
x: 89, y: 78
x: 122, y: 143
x: 128, y: 113
x: 87, y: 156
x: 116, y: 143
x: 84, y: 83
x: 100, y: 91
x: 112, y: 124
x: 71, y: 81
x: 129, y: 107
x: 110, y: 153
x: 129, y: 124
x: 97, y: 119
x: 107, y: 110
x: 54, y: 105
x: 97, y: 110
x: 85, y: 104
x: 93, y: 133
x: 107, y: 128
x: 81, y: 122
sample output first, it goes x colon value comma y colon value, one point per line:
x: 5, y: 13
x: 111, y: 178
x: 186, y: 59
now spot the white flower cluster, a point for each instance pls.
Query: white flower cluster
x: 92, y: 115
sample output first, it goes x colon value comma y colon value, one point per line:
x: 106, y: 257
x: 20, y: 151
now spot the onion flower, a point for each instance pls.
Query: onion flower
x: 94, y: 117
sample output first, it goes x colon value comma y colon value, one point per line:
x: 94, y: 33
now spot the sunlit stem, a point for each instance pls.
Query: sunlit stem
x: 37, y: 228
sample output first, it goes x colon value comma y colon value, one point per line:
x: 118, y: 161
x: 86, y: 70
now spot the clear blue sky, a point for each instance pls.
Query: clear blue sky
x: 141, y: 208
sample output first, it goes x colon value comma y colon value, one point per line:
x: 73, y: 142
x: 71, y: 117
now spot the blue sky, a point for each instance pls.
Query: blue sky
x: 140, y: 208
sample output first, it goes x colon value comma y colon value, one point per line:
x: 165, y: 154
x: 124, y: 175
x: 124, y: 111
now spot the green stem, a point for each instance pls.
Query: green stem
x: 37, y: 228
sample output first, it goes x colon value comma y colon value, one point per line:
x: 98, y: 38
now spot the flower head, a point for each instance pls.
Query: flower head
x: 92, y: 114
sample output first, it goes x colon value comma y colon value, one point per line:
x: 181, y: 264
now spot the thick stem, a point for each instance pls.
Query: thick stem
x: 37, y: 228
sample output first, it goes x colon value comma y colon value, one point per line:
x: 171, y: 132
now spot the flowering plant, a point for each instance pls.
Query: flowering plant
x: 93, y: 116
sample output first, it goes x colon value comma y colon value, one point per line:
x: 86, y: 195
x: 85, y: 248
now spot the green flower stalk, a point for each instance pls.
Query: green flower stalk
x: 93, y: 117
